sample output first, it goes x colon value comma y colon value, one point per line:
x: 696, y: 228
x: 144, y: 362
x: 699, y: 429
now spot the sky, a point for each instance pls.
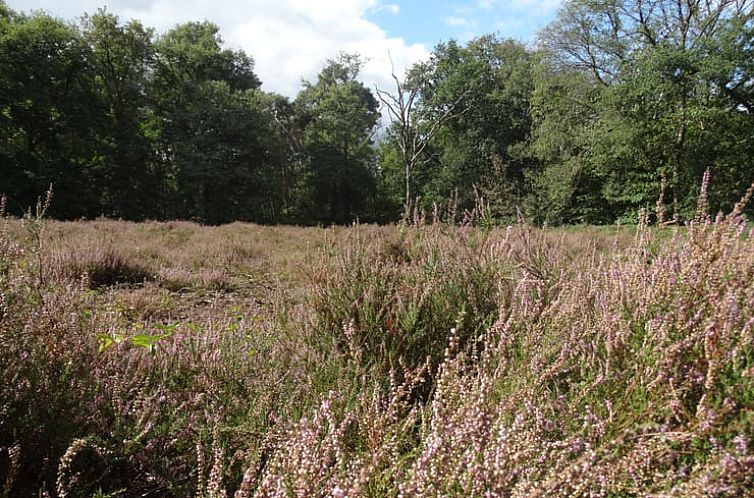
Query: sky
x: 291, y: 40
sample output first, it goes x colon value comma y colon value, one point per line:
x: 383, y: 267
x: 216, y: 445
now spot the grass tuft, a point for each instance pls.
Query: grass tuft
x: 105, y: 267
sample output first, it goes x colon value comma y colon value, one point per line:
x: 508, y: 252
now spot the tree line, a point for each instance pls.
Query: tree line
x: 620, y: 105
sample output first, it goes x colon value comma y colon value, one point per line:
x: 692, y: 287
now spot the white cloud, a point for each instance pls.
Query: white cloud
x: 288, y: 39
x: 393, y: 8
x: 456, y: 21
x: 464, y: 10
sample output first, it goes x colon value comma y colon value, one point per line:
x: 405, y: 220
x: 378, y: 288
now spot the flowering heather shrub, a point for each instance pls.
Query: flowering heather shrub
x: 103, y: 268
x: 397, y: 295
x: 633, y: 377
x: 410, y: 361
x: 98, y: 395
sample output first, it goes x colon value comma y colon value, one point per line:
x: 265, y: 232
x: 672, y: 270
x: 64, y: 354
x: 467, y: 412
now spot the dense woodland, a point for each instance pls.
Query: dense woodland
x: 619, y: 105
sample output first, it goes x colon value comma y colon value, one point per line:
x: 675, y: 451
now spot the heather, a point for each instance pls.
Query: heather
x: 424, y: 359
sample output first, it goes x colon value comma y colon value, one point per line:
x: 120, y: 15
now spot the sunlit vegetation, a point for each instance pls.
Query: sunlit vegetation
x: 198, y: 332
x: 615, y: 103
x: 171, y: 359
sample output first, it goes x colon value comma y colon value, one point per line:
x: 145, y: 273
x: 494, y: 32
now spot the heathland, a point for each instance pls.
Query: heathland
x: 467, y: 354
x: 424, y: 359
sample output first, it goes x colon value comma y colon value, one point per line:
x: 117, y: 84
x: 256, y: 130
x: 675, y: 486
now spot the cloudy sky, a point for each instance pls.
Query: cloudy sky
x: 291, y: 39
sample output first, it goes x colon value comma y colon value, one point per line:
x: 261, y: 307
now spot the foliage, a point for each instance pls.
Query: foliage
x: 474, y: 112
x: 398, y: 299
x: 341, y: 118
x: 214, y: 129
x: 121, y: 59
x: 127, y: 125
x: 618, y: 104
x: 50, y: 114
x: 174, y: 359
x: 657, y: 104
x: 421, y: 360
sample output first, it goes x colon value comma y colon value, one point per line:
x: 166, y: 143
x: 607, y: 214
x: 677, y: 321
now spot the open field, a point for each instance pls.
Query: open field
x: 171, y: 359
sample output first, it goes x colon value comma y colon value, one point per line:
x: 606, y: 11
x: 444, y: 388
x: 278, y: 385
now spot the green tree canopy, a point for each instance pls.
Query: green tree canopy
x: 474, y: 109
x: 662, y: 97
x: 122, y: 58
x: 214, y: 128
x: 341, y: 117
x: 50, y: 114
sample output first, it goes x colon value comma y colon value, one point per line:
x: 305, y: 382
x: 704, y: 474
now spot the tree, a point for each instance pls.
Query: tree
x: 565, y: 185
x: 479, y: 94
x: 410, y: 133
x: 212, y: 127
x: 122, y: 59
x: 603, y: 36
x: 652, y: 121
x: 50, y: 114
x: 341, y: 117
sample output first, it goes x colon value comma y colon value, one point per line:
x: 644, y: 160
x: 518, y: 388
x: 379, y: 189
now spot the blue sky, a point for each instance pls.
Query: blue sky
x: 431, y: 22
x: 291, y: 40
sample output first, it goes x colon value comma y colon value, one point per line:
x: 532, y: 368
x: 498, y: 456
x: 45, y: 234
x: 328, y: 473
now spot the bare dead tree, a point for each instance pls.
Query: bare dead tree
x: 414, y: 134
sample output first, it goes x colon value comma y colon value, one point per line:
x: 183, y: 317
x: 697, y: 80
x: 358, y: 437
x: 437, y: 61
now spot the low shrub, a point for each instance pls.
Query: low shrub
x: 398, y: 300
x: 414, y: 361
x: 104, y: 267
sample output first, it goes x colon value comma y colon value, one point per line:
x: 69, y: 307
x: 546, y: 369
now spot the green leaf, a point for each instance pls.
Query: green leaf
x: 105, y: 341
x: 147, y: 341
